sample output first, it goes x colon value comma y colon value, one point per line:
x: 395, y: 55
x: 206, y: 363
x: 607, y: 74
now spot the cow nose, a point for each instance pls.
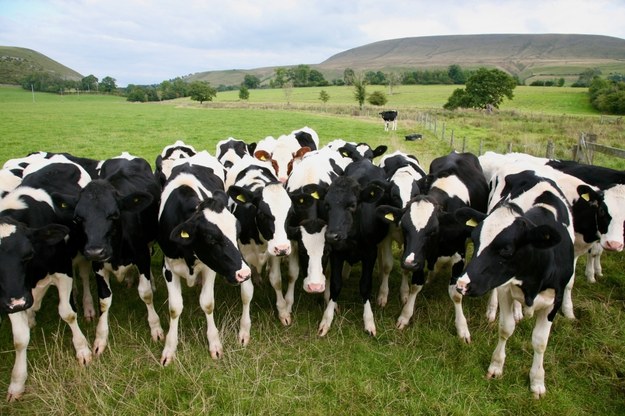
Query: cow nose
x: 96, y: 253
x: 332, y: 237
x: 315, y: 287
x: 613, y: 246
x: 243, y: 275
x: 462, y: 285
x: 282, y: 250
x: 18, y: 304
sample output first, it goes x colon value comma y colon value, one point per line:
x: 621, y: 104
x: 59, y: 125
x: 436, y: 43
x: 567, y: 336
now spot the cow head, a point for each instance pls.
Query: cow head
x: 506, y: 246
x: 272, y: 207
x: 614, y: 198
x: 590, y: 214
x: 211, y: 233
x: 99, y: 211
x: 19, y: 245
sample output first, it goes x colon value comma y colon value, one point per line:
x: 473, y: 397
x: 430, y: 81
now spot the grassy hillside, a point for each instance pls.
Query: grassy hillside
x: 17, y: 62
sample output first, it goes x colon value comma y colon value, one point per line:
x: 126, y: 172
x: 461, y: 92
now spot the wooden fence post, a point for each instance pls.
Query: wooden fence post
x: 549, y: 154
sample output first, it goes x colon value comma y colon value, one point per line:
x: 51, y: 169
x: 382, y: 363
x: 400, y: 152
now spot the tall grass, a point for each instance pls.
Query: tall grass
x: 423, y: 369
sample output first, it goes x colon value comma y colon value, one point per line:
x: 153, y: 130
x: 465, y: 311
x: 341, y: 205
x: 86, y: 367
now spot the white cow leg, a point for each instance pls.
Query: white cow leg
x: 147, y: 296
x: 408, y: 309
x: 174, y: 295
x: 207, y: 303
x: 102, y: 329
x: 247, y: 293
x: 289, y: 296
x: 462, y: 328
x: 368, y: 319
x: 567, y: 300
x: 38, y: 292
x: 493, y: 303
x: 21, y: 338
x: 540, y: 337
x: 385, y: 265
x: 275, y: 277
x: 328, y: 317
x: 506, y: 328
x: 64, y: 285
x: 404, y: 288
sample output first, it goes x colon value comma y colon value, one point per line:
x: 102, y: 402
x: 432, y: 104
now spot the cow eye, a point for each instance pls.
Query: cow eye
x: 352, y: 207
x: 113, y: 216
x: 506, y: 251
x: 77, y: 220
x: 27, y: 257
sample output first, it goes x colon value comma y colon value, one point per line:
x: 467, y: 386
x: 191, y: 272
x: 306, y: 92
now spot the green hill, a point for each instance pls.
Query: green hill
x: 15, y: 63
x: 528, y: 56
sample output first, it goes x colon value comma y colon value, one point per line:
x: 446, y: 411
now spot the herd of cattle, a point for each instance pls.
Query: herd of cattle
x: 246, y: 208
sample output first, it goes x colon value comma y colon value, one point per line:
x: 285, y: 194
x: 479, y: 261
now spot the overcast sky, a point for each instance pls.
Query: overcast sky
x: 148, y: 41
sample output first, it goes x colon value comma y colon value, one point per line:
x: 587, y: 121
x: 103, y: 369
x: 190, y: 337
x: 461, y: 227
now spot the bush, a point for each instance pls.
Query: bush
x: 377, y: 98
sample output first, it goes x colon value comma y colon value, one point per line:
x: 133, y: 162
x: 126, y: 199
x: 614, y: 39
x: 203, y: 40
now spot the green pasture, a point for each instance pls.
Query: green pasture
x: 423, y: 369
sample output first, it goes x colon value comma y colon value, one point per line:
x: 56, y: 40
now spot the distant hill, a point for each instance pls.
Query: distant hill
x: 17, y: 62
x: 528, y: 56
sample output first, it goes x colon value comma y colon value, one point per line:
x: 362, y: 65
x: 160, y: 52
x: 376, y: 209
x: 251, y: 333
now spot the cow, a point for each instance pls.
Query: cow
x: 262, y: 206
x: 230, y: 150
x: 352, y: 149
x: 403, y: 172
x: 198, y: 236
x: 118, y: 214
x: 281, y: 153
x: 432, y: 236
x: 169, y: 154
x: 390, y: 119
x: 37, y: 246
x: 353, y: 232
x: 524, y: 248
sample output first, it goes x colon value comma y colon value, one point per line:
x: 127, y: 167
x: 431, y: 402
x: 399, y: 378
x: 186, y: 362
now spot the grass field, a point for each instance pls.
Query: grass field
x: 423, y: 369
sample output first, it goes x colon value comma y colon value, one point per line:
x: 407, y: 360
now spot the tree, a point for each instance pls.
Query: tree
x: 89, y: 83
x: 244, y: 93
x: 377, y: 98
x: 486, y: 88
x: 348, y: 76
x: 201, y: 91
x: 136, y: 94
x: 586, y: 77
x: 456, y: 74
x: 324, y: 96
x: 280, y: 79
x: 108, y: 84
x: 360, y: 92
x: 251, y: 81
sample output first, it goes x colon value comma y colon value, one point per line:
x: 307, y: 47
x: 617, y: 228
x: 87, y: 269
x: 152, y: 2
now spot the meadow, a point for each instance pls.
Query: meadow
x: 423, y: 369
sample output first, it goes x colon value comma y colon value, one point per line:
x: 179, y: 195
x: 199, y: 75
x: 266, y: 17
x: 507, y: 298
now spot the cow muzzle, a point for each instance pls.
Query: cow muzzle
x: 17, y: 304
x: 612, y: 245
x: 462, y: 285
x: 96, y: 254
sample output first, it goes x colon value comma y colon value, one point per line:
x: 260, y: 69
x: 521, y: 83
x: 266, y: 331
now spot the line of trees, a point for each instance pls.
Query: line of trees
x: 49, y: 82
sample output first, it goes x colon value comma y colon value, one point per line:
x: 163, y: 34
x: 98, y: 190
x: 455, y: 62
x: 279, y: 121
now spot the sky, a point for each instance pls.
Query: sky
x: 149, y: 41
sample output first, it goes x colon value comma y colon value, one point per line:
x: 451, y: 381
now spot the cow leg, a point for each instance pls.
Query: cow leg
x: 540, y: 337
x: 147, y: 296
x: 83, y: 266
x: 207, y: 303
x: 64, y: 285
x: 385, y: 266
x: 174, y: 296
x: 418, y: 280
x: 593, y: 263
x: 336, y: 283
x: 462, y: 328
x: 567, y: 300
x: 21, y: 338
x: 366, y: 283
x: 106, y: 298
x: 38, y: 292
x: 275, y: 277
x: 404, y: 287
x: 506, y: 328
x: 493, y: 303
x: 289, y: 296
x: 247, y: 293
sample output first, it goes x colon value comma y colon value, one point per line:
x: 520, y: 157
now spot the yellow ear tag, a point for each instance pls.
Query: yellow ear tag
x: 184, y: 234
x: 263, y: 158
x: 315, y: 195
x: 471, y: 223
x: 372, y: 193
x: 390, y: 216
x: 301, y: 200
x: 64, y: 205
x: 135, y: 200
x: 586, y: 197
x: 241, y: 198
x: 345, y: 154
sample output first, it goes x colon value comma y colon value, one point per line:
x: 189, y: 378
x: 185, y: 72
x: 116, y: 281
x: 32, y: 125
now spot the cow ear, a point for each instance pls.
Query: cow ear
x: 262, y: 155
x: 469, y: 216
x: 589, y: 195
x: 388, y: 213
x: 380, y: 150
x: 316, y: 191
x: 135, y: 202
x: 371, y: 193
x: 64, y: 202
x: 543, y: 236
x: 251, y: 147
x: 50, y: 234
x: 221, y: 196
x: 301, y: 152
x: 240, y: 195
x: 184, y: 233
x: 303, y: 200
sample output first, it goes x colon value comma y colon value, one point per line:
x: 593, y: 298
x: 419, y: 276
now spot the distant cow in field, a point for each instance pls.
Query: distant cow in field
x: 390, y: 119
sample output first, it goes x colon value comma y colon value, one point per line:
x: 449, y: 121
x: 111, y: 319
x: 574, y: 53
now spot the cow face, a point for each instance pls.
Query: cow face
x: 590, y: 214
x: 99, y: 211
x: 341, y: 206
x: 614, y: 198
x: 273, y: 207
x: 18, y: 247
x: 212, y: 235
x: 506, y: 247
x: 310, y: 235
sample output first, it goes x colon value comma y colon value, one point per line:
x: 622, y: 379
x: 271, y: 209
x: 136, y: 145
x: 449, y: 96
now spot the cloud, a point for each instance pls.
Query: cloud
x: 141, y: 41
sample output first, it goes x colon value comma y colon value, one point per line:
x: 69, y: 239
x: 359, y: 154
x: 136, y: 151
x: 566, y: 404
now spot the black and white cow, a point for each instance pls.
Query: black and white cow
x: 527, y: 254
x: 231, y: 150
x: 262, y: 208
x: 432, y: 235
x: 36, y: 251
x: 307, y: 137
x: 353, y: 232
x: 403, y: 172
x: 171, y: 153
x: 198, y: 237
x: 353, y: 150
x: 118, y: 213
x: 390, y: 119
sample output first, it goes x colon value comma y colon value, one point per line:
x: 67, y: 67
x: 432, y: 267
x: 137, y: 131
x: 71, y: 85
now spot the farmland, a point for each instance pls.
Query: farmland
x: 423, y: 369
